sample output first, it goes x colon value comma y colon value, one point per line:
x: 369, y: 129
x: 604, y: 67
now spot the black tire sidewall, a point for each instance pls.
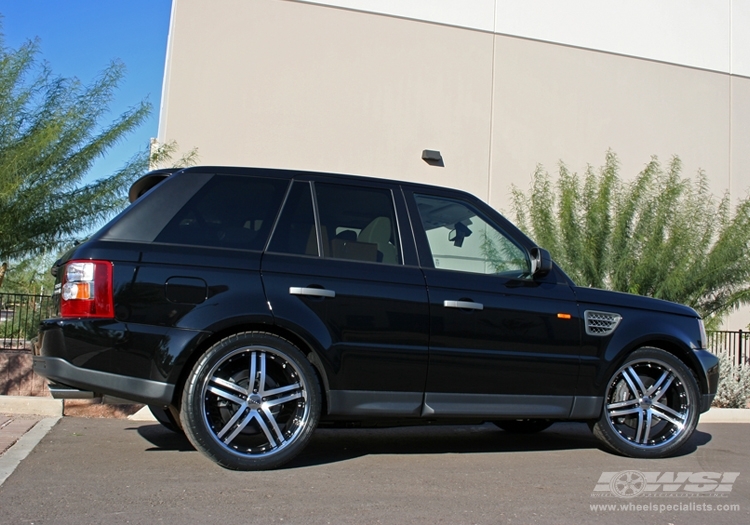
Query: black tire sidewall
x: 611, y: 439
x: 193, y: 405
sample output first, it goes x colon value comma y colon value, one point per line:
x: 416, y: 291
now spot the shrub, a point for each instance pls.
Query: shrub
x: 734, y: 384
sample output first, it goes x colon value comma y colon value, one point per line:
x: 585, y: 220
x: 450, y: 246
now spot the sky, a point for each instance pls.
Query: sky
x: 80, y: 38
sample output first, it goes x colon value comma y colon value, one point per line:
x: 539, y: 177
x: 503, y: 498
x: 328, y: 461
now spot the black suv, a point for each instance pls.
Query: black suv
x: 246, y: 306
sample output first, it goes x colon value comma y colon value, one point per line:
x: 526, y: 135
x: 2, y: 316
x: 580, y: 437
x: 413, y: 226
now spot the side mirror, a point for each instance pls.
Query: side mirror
x: 541, y: 262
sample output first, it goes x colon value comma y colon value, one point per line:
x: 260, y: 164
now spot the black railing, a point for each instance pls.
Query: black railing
x: 19, y: 318
x: 733, y: 344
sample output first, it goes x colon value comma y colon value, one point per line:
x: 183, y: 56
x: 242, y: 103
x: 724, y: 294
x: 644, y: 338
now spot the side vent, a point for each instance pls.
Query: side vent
x: 601, y: 323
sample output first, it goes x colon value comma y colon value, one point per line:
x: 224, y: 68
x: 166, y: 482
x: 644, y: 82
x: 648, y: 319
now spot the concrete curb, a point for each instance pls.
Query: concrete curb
x: 143, y: 414
x: 726, y: 415
x: 40, y: 406
x: 25, y: 444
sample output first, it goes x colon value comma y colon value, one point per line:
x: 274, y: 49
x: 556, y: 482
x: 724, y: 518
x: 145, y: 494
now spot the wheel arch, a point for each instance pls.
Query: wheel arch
x: 669, y: 344
x: 303, y: 344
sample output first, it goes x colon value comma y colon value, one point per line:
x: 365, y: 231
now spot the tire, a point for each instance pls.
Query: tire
x: 245, y: 424
x: 524, y: 426
x: 164, y: 416
x: 651, y: 406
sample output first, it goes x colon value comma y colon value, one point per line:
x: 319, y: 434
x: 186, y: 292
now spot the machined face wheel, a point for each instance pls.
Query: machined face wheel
x: 252, y: 402
x: 255, y: 401
x: 650, y: 405
x: 647, y: 403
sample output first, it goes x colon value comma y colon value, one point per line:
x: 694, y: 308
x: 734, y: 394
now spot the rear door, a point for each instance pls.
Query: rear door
x: 338, y: 271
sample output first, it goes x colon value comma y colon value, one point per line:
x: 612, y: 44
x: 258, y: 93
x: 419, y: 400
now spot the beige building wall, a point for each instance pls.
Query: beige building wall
x: 289, y: 85
x: 554, y: 102
x: 341, y: 88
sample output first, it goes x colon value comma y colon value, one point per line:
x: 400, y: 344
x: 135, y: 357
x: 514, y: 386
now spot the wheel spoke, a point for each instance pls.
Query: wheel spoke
x: 250, y: 415
x: 671, y: 411
x: 280, y: 390
x: 269, y: 436
x: 664, y: 389
x: 282, y: 400
x: 232, y: 421
x: 262, y: 374
x: 640, y: 426
x: 229, y: 385
x: 269, y: 416
x: 629, y: 411
x: 622, y: 404
x: 634, y: 381
x: 678, y: 422
x: 253, y: 373
x: 650, y: 391
x: 647, y: 431
x: 226, y: 395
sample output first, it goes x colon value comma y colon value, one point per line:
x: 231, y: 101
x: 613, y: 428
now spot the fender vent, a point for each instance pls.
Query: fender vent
x: 601, y: 323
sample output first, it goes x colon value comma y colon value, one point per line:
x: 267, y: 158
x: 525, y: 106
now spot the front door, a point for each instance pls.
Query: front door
x: 502, y: 343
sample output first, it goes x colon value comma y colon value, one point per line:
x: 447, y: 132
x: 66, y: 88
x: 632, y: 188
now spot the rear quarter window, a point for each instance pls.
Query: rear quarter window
x: 228, y: 212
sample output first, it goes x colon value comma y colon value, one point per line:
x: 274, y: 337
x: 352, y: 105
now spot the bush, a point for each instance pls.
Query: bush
x: 734, y: 384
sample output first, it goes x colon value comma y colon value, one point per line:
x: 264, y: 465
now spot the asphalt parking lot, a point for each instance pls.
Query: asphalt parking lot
x: 90, y: 471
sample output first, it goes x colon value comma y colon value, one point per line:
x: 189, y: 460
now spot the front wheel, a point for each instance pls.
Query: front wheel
x: 251, y: 402
x: 651, y: 406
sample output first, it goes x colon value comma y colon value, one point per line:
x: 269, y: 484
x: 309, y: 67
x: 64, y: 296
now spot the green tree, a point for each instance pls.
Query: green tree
x: 660, y: 235
x: 51, y: 133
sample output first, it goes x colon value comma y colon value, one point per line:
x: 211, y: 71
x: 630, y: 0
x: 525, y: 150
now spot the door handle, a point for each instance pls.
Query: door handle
x: 463, y: 305
x: 314, y: 292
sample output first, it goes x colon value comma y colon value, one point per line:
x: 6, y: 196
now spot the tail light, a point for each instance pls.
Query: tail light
x: 87, y: 290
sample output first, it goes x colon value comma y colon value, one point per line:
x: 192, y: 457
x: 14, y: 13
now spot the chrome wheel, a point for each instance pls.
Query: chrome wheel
x: 647, y: 403
x: 650, y: 405
x: 253, y: 405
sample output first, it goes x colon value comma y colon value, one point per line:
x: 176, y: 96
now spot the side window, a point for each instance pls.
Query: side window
x: 295, y: 232
x: 461, y: 239
x: 228, y: 212
x: 357, y: 223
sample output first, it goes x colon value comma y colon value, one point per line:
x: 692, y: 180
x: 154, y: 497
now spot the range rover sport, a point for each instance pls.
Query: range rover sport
x: 246, y: 306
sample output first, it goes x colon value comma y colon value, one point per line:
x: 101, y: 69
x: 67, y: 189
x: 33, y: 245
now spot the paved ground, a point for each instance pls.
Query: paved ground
x: 90, y: 471
x: 12, y: 427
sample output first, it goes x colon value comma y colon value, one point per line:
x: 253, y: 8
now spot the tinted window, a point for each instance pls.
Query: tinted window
x: 228, y: 212
x: 357, y: 223
x: 295, y: 233
x: 461, y: 239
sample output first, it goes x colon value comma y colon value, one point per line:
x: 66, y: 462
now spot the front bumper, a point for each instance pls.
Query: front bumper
x: 710, y: 364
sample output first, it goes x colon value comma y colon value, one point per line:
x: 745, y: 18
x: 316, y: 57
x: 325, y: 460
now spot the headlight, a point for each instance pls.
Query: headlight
x: 703, y: 343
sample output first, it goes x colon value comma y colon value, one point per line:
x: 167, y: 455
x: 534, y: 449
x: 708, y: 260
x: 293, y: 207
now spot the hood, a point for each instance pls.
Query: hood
x: 627, y: 300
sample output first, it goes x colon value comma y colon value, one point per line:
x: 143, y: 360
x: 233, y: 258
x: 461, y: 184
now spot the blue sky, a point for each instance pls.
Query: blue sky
x: 80, y: 38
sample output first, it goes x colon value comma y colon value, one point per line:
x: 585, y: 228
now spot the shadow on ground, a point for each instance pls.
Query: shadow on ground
x: 336, y: 445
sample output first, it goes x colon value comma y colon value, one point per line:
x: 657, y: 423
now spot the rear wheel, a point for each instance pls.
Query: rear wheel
x: 251, y: 402
x: 651, y: 406
x: 164, y: 416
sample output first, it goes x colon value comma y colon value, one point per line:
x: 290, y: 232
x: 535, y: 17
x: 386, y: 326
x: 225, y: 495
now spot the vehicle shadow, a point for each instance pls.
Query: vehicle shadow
x: 343, y: 444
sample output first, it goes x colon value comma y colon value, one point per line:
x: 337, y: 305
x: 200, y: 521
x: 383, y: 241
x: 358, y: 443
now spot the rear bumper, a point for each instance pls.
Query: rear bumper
x: 71, y: 381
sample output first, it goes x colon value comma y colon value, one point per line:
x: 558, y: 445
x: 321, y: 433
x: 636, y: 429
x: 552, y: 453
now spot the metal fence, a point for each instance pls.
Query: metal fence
x: 733, y: 344
x: 19, y: 318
